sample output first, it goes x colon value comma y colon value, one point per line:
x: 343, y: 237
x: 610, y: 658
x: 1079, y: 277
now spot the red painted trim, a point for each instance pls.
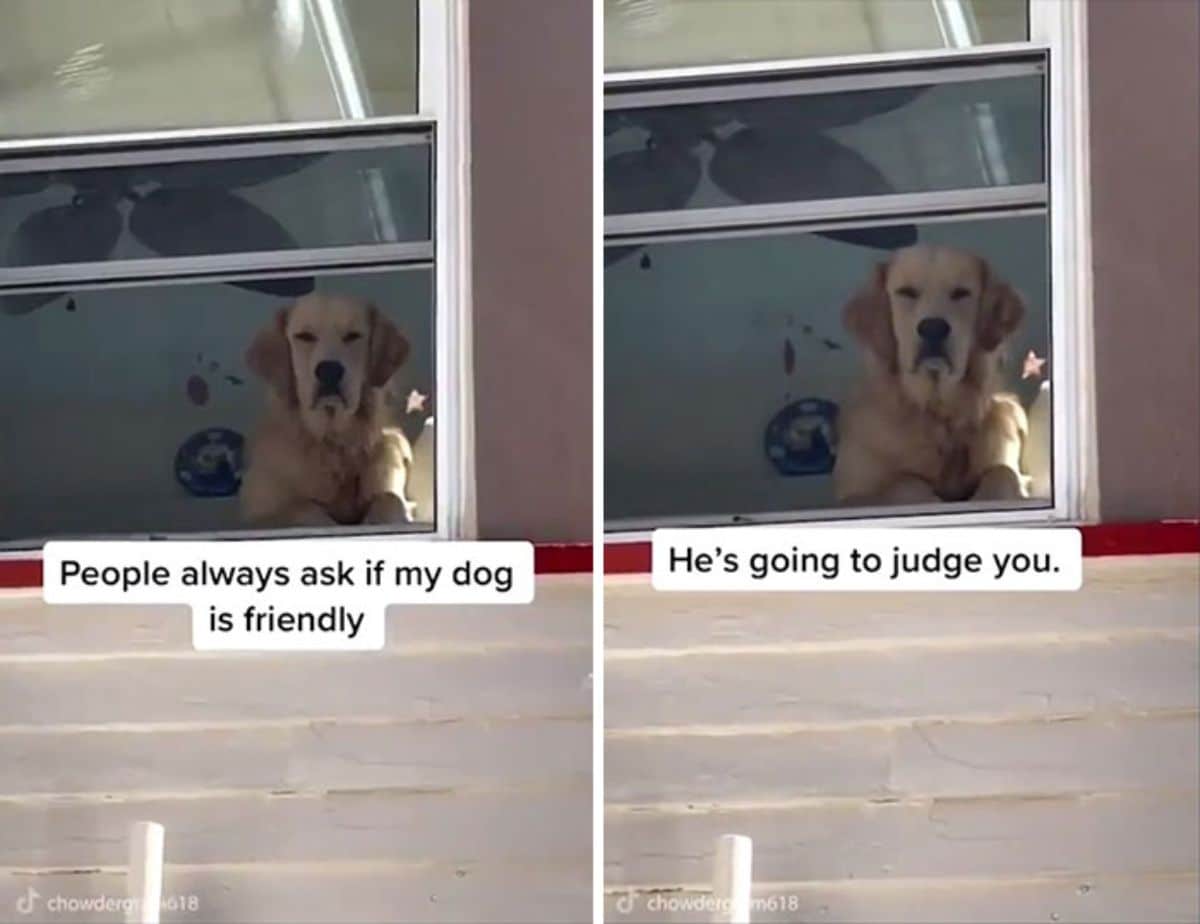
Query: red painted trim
x: 627, y: 558
x: 22, y: 572
x: 26, y: 573
x: 562, y: 559
x: 1172, y: 537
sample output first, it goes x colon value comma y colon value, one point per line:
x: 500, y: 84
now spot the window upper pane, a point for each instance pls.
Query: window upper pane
x: 69, y: 67
x: 647, y: 34
x: 771, y: 147
x: 183, y: 208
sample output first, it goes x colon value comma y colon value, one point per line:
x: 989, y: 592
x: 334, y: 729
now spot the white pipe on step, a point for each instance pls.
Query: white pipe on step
x: 732, y: 878
x: 144, y: 887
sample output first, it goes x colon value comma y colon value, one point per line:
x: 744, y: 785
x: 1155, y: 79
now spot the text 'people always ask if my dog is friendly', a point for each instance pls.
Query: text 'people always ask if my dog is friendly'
x: 368, y: 573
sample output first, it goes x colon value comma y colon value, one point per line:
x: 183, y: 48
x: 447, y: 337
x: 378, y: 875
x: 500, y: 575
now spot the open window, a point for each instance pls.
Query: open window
x: 755, y: 184
x: 172, y: 176
x: 645, y: 35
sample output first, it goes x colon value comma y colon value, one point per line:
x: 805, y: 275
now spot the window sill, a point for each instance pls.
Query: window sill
x: 1025, y: 511
x: 1167, y: 537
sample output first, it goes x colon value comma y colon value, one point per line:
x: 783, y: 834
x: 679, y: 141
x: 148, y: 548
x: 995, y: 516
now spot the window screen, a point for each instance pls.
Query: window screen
x: 132, y: 287
x: 742, y: 218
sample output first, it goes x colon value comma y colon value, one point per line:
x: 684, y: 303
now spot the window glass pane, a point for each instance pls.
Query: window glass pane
x: 80, y: 66
x: 645, y: 34
x: 903, y: 139
x: 135, y: 402
x: 728, y: 370
x: 335, y: 198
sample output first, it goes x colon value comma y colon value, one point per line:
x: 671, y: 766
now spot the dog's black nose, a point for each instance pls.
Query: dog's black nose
x: 933, y: 330
x: 329, y: 373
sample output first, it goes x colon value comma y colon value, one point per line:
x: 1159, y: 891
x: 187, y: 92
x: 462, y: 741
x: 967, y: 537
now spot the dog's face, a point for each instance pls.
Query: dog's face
x: 928, y: 314
x: 323, y: 354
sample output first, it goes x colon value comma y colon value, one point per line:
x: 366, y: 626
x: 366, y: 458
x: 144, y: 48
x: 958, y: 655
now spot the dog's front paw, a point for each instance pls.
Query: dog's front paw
x: 1000, y: 483
x: 909, y: 489
x: 387, y: 508
x: 301, y: 514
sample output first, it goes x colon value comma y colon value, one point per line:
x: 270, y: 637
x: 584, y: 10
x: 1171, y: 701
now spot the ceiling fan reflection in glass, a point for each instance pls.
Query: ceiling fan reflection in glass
x: 198, y: 218
x: 206, y: 208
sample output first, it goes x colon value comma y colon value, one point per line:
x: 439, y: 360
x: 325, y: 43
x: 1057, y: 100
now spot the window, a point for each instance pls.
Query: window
x: 137, y: 268
x: 746, y: 205
x: 645, y: 34
x: 78, y: 68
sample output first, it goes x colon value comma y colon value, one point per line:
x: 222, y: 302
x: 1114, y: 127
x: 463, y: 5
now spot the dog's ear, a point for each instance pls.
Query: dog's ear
x: 389, y: 349
x: 868, y: 317
x: 270, y: 356
x: 1001, y: 310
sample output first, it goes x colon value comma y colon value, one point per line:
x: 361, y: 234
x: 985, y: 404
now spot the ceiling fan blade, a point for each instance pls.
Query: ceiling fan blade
x: 194, y: 221
x: 287, y: 286
x: 756, y: 168
x: 229, y: 174
x: 83, y: 232
x: 616, y: 254
x: 614, y: 121
x: 103, y: 182
x: 679, y: 127
x: 23, y: 304
x: 804, y: 115
x: 76, y: 233
x: 649, y: 180
x: 23, y: 184
x: 885, y: 237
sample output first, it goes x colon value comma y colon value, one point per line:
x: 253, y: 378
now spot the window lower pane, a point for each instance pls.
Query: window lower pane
x: 646, y: 34
x: 927, y: 137
x: 729, y: 371
x: 96, y: 66
x: 131, y: 407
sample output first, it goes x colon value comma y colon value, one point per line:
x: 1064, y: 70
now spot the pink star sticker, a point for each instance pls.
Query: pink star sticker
x: 416, y: 402
x: 1033, y: 366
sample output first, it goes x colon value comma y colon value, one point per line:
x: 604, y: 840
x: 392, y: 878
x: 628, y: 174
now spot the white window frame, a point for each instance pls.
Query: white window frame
x: 443, y: 105
x: 444, y: 97
x: 1058, y: 29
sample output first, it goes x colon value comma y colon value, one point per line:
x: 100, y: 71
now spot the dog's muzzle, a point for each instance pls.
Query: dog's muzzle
x: 932, y: 335
x: 329, y: 376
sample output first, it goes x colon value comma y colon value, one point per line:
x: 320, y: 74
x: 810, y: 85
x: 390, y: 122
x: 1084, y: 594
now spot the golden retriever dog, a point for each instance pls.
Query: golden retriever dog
x: 324, y: 452
x: 928, y: 423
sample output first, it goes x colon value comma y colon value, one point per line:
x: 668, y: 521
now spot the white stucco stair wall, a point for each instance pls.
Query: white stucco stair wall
x: 916, y: 757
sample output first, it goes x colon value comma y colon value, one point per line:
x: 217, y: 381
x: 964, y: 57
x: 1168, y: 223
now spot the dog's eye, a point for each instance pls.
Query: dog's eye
x: 908, y: 292
x: 305, y: 337
x: 959, y: 293
x: 351, y: 337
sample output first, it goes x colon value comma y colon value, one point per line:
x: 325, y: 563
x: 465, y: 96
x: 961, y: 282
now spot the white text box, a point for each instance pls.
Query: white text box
x: 822, y: 559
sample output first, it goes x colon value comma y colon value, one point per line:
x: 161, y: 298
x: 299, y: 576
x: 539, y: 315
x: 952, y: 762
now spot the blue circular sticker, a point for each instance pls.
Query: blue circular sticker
x: 802, y: 438
x: 209, y: 463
